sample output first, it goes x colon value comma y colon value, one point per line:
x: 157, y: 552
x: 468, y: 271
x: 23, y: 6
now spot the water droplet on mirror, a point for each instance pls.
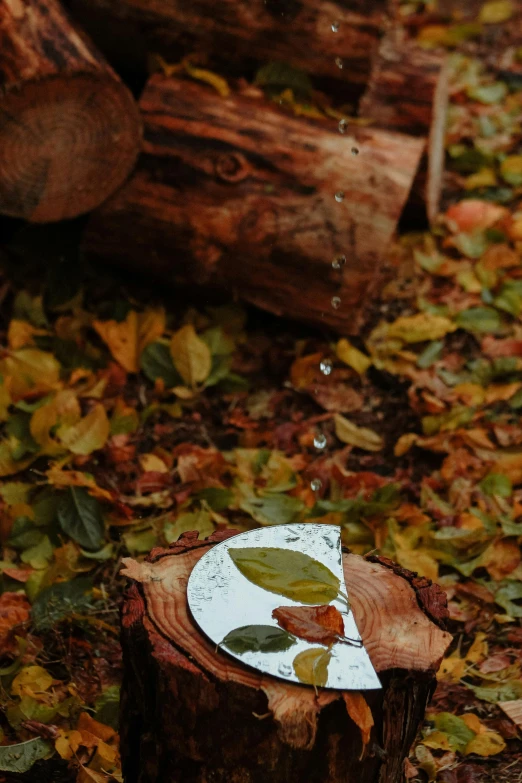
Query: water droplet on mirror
x: 316, y: 484
x: 326, y: 366
x: 284, y: 669
x: 335, y: 27
x: 336, y: 302
x: 339, y: 62
x: 320, y: 441
x: 343, y: 124
x: 339, y: 262
x: 339, y: 196
x: 355, y: 150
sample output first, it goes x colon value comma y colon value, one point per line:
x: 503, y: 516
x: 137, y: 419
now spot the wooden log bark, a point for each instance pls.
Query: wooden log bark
x: 295, y: 31
x: 69, y: 129
x: 408, y: 92
x: 191, y: 713
x: 235, y: 193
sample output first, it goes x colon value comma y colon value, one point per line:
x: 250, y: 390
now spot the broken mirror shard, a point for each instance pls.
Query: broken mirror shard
x: 275, y: 599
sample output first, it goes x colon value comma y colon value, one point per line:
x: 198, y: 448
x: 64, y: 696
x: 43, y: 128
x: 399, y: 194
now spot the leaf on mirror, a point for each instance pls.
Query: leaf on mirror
x: 318, y: 624
x: 311, y: 666
x: 258, y: 638
x: 287, y: 572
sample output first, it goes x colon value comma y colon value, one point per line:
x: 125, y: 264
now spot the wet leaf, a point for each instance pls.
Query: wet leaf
x: 286, y: 572
x: 21, y: 757
x: 272, y: 509
x: 319, y: 624
x: 191, y: 356
x: 258, y: 638
x: 311, y: 666
x: 361, y: 437
x: 351, y: 356
x: 80, y: 517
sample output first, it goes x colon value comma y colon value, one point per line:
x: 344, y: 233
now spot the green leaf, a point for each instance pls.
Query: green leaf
x: 20, y: 758
x: 488, y: 93
x: 506, y: 596
x: 217, y: 498
x: 496, y: 484
x: 287, y: 572
x: 258, y: 638
x: 459, y: 734
x: 107, y: 707
x: 479, y: 319
x: 508, y: 300
x: 272, y: 509
x: 56, y: 602
x: 80, y: 517
x: 140, y: 542
x: 311, y: 666
x: 198, y: 520
x: 506, y: 691
x: 156, y: 362
x: 430, y: 354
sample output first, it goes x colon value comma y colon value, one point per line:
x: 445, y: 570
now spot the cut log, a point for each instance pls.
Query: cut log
x: 235, y: 193
x: 408, y: 91
x: 310, y: 34
x: 192, y: 713
x: 69, y: 129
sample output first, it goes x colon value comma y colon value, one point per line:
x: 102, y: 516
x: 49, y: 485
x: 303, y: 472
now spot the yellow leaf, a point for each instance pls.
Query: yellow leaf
x: 487, y: 744
x: 150, y: 462
x: 5, y: 401
x: 473, y: 722
x: 67, y: 743
x: 21, y: 333
x: 362, y: 437
x: 9, y: 465
x: 30, y: 372
x: 405, y: 443
x: 361, y: 714
x: 511, y: 169
x: 89, y: 434
x: 32, y: 680
x: 351, y: 356
x: 63, y: 409
x: 496, y: 11
x: 311, y: 666
x: 191, y: 356
x: 420, y: 327
x: 478, y: 650
x: 452, y: 669
x: 57, y: 477
x: 484, y: 178
x: 209, y: 77
x: 127, y: 339
x: 438, y: 740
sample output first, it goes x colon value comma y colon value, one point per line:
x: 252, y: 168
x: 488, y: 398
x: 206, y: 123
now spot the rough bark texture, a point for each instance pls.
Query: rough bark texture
x: 191, y: 713
x: 235, y: 193
x: 408, y: 91
x: 69, y: 129
x: 243, y: 33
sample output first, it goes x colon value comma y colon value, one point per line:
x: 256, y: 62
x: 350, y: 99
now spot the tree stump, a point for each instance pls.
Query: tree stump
x: 192, y: 714
x: 69, y: 129
x: 234, y: 193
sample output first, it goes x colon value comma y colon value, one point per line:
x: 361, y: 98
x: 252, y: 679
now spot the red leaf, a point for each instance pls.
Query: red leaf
x: 321, y: 624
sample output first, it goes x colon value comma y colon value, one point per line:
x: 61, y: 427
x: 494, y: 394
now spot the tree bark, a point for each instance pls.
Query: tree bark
x: 191, y: 713
x: 69, y: 129
x: 235, y: 193
x: 408, y: 92
x: 242, y: 34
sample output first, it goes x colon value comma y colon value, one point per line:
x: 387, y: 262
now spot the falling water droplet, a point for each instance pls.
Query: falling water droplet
x: 343, y: 124
x: 339, y: 262
x: 339, y: 62
x: 335, y: 27
x: 336, y: 302
x: 316, y: 484
x: 284, y: 669
x: 355, y: 150
x: 320, y: 441
x: 339, y: 196
x: 326, y: 366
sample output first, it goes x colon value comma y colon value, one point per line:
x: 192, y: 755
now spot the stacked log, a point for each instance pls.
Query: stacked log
x: 69, y: 129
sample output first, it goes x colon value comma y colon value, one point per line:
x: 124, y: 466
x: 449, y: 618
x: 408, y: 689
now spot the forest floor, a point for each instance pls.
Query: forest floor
x: 127, y: 419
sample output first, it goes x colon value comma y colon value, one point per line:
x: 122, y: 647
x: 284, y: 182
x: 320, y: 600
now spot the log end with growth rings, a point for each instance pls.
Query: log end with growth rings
x: 66, y: 143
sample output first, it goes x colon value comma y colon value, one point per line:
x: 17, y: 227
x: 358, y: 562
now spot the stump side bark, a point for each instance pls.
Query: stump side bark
x: 243, y: 34
x: 235, y: 193
x: 70, y: 131
x: 191, y: 713
x: 408, y: 92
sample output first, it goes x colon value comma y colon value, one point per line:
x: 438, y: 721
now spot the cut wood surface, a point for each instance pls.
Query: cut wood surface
x: 190, y: 712
x: 69, y: 129
x: 408, y: 91
x: 295, y: 31
x: 236, y: 193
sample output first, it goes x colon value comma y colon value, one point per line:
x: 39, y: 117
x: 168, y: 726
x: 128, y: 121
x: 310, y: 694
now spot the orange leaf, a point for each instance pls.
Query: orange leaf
x: 474, y: 215
x: 100, y: 730
x: 321, y: 624
x: 15, y: 609
x: 359, y: 711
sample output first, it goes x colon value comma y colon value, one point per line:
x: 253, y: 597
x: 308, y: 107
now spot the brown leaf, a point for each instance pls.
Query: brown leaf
x: 318, y: 624
x: 14, y: 611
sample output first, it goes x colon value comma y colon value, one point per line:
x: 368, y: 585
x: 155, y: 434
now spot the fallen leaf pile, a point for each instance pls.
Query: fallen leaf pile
x: 125, y: 421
